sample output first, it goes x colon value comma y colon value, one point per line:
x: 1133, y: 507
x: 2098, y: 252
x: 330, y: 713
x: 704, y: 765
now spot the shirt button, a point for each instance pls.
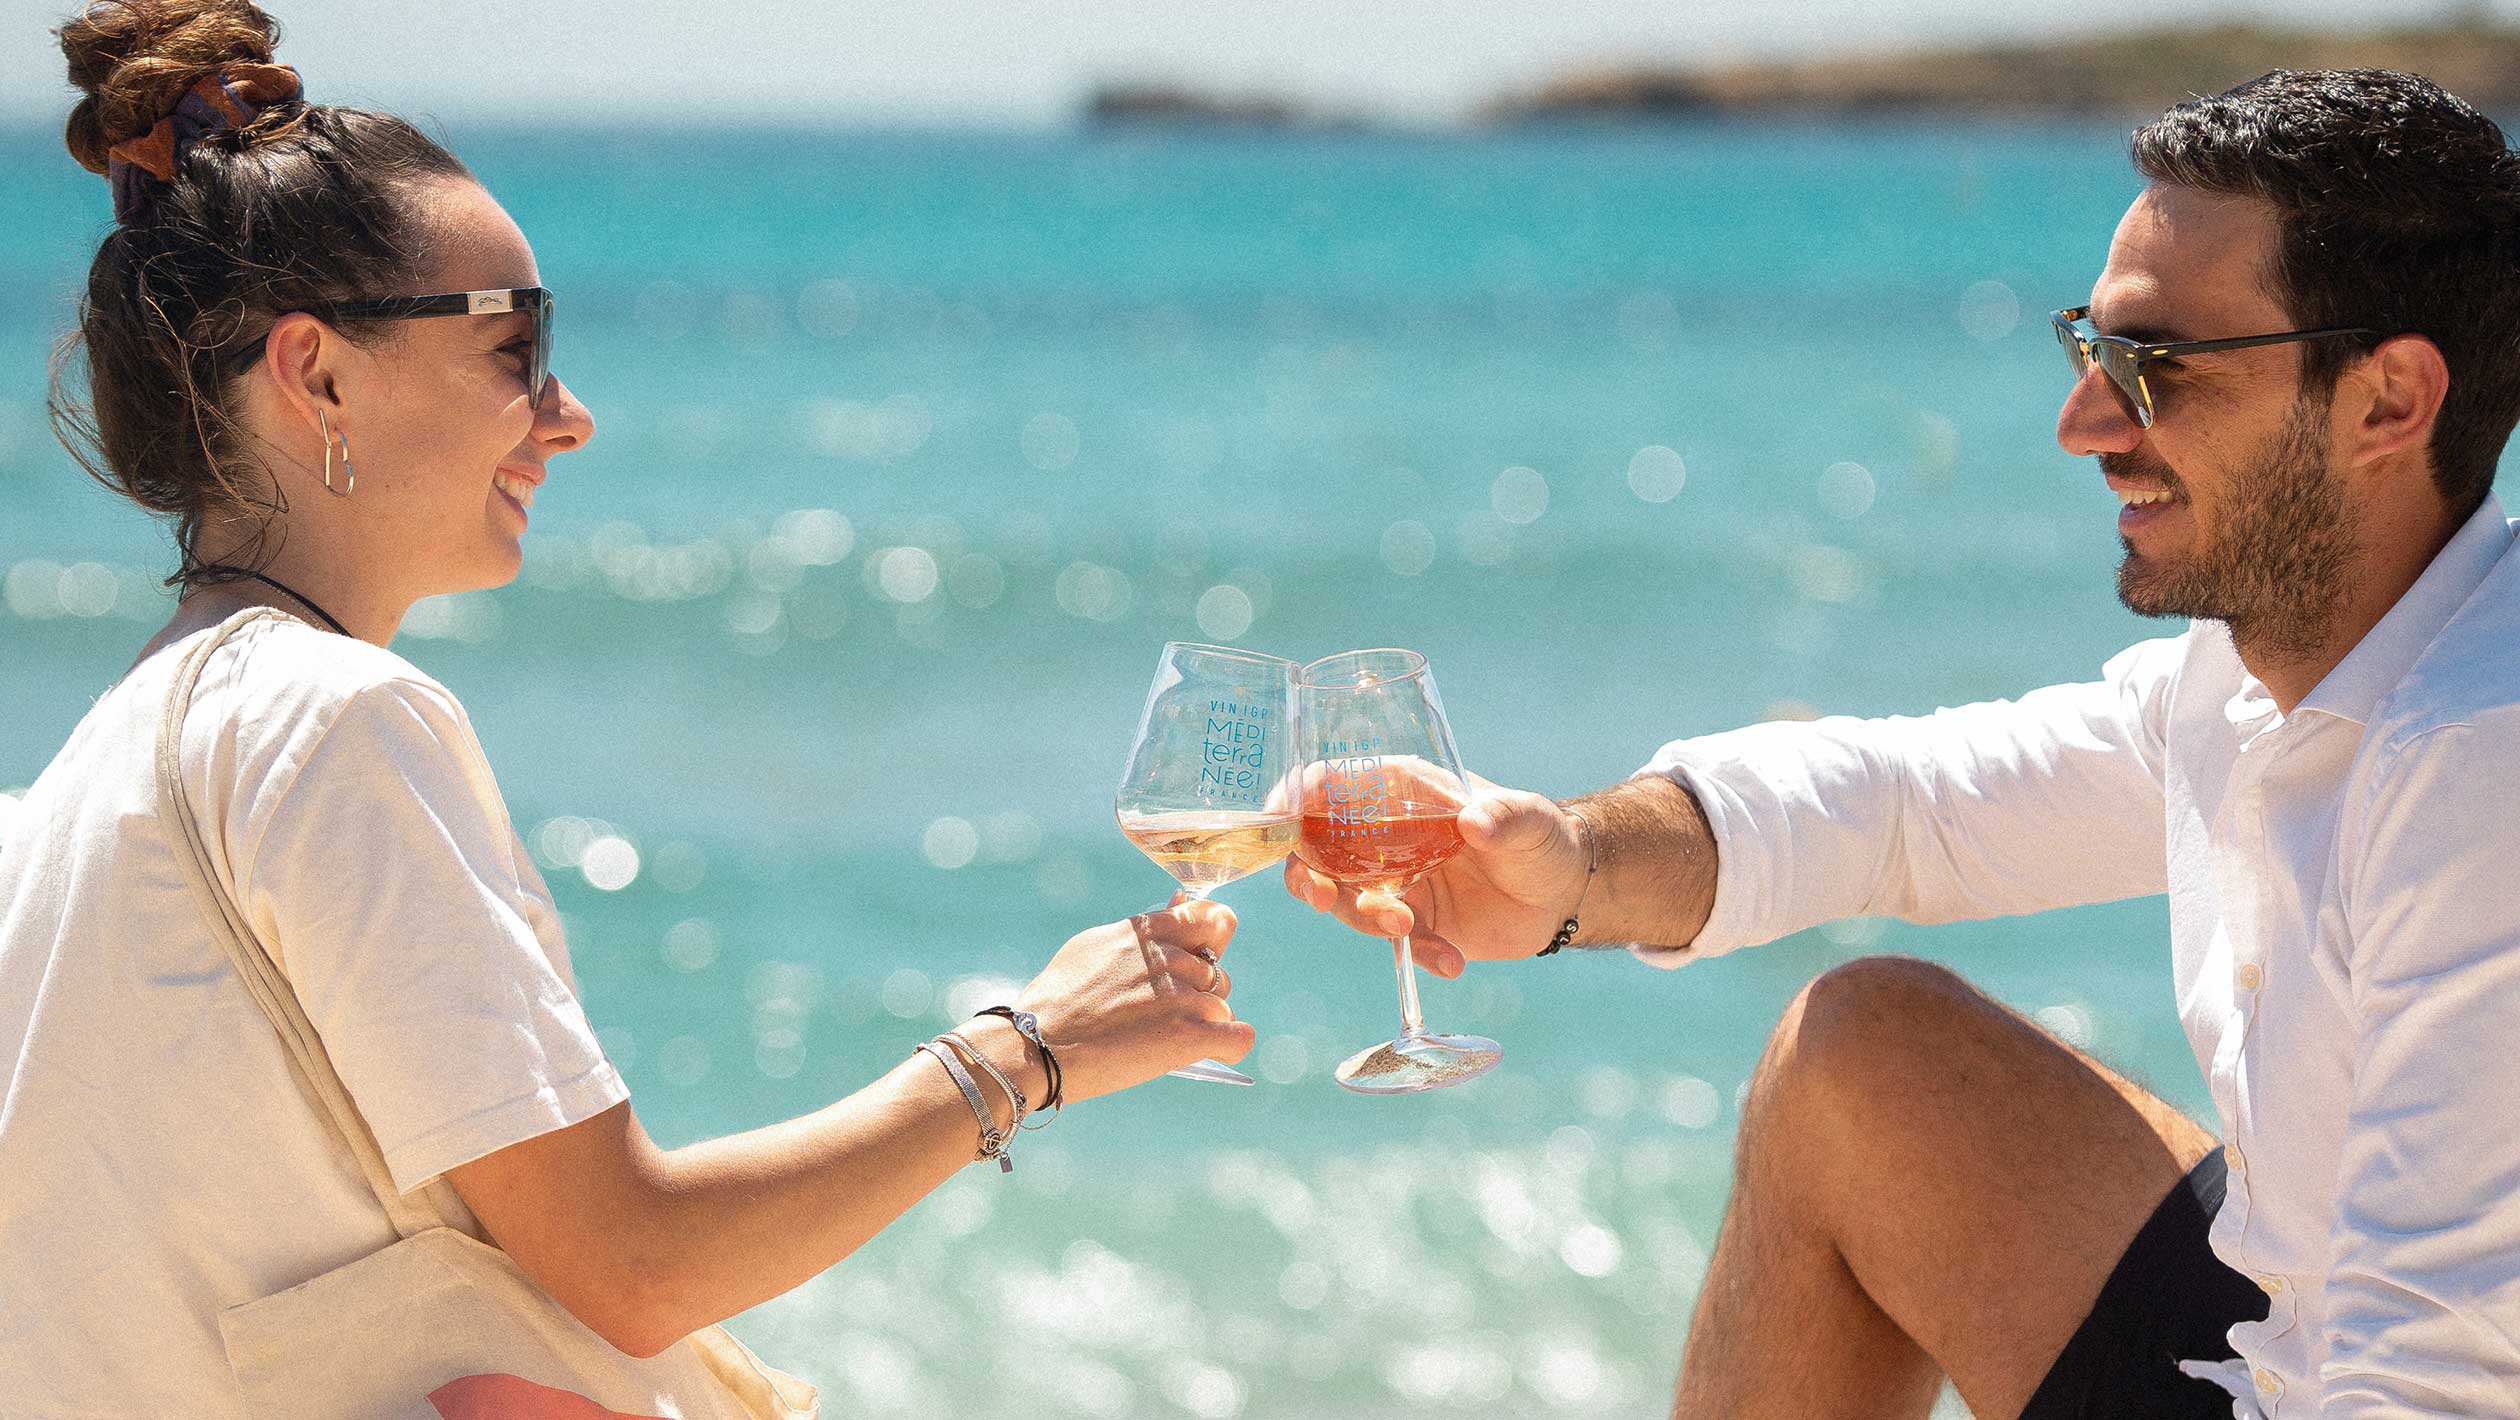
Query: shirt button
x: 2232, y: 1157
x: 2266, y: 1381
x: 2274, y: 1286
x: 2250, y: 976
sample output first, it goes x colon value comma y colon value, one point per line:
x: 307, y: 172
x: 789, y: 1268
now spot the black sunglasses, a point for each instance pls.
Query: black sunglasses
x: 2123, y: 360
x: 534, y: 300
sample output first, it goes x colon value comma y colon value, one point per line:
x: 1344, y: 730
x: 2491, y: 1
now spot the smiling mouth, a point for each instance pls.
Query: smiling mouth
x: 2136, y: 498
x: 522, y: 490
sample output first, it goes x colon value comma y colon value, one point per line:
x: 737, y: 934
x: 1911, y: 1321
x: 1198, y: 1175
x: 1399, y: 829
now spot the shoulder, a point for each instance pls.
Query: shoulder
x: 276, y: 671
x: 2467, y: 678
x: 2443, y: 752
x: 278, y: 693
x: 2160, y: 660
x: 2149, y: 677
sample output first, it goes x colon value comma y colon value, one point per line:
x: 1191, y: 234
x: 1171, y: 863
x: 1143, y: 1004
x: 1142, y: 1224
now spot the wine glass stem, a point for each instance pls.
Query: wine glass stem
x: 1411, y: 1021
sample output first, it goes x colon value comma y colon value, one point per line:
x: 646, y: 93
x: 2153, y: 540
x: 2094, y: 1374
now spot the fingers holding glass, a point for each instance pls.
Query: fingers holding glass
x: 1206, y: 792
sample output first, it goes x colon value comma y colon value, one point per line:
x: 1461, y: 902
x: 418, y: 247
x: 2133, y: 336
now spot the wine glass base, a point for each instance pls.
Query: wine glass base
x: 1418, y: 1062
x: 1212, y: 1073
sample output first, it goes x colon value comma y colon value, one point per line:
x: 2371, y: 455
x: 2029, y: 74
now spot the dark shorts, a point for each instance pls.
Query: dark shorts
x: 2169, y: 1300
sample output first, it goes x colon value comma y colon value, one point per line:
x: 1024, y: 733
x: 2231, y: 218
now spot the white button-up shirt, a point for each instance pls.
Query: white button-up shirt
x: 2344, y: 890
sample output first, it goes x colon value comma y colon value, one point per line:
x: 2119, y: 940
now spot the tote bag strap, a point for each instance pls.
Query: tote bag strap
x: 254, y: 966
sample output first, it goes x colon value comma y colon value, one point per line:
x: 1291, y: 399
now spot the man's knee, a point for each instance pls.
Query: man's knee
x: 1869, y: 1024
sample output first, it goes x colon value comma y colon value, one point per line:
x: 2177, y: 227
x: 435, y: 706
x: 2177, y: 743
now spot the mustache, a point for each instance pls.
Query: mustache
x: 2141, y: 469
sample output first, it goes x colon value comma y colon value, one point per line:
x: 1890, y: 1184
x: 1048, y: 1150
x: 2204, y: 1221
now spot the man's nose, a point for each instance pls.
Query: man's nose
x: 2095, y: 419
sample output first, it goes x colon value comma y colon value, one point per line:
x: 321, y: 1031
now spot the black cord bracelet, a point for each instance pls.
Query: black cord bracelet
x: 1592, y: 861
x: 1027, y: 1025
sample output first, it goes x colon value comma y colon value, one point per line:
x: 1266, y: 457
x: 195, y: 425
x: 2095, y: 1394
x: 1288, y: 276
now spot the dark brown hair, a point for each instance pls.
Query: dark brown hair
x: 2398, y: 210
x: 304, y: 207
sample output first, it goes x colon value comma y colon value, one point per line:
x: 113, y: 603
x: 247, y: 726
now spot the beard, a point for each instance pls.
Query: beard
x: 2274, y: 570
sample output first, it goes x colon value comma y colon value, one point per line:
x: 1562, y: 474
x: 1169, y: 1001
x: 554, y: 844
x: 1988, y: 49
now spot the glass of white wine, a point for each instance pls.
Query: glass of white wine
x: 1208, y: 792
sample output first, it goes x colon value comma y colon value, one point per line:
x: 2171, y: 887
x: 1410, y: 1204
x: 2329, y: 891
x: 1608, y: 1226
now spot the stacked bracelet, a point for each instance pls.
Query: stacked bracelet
x: 992, y: 1139
x: 1592, y: 861
x: 949, y: 1049
x: 1014, y: 1092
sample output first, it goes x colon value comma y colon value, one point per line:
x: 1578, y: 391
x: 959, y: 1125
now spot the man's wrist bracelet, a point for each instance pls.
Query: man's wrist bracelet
x: 1592, y: 862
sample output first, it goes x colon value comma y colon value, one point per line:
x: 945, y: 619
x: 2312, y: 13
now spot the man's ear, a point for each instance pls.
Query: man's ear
x: 2402, y: 383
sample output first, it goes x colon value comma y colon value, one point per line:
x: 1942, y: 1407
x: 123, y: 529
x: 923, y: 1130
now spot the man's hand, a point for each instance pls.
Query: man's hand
x: 1517, y: 876
x: 1521, y: 872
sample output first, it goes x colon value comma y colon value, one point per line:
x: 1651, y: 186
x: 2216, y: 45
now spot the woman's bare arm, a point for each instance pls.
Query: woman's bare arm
x: 646, y: 1245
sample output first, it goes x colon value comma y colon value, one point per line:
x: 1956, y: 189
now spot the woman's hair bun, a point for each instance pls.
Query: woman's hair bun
x: 133, y: 59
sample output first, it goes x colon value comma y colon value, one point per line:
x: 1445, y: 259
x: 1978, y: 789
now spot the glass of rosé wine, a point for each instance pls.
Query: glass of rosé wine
x: 1382, y: 791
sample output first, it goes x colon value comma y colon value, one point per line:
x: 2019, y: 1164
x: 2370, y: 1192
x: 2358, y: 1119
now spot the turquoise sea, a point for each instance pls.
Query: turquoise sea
x: 913, y: 448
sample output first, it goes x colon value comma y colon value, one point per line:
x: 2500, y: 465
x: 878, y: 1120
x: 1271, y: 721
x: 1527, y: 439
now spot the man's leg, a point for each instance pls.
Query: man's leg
x: 1925, y: 1184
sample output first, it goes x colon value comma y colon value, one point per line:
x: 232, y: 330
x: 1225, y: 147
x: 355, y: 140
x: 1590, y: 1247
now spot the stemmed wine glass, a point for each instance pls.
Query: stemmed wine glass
x: 1206, y: 793
x: 1382, y: 797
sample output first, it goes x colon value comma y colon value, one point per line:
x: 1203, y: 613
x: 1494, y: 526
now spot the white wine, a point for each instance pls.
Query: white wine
x: 1206, y: 850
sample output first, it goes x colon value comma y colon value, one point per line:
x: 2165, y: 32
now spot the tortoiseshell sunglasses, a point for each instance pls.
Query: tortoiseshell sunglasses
x: 2123, y: 359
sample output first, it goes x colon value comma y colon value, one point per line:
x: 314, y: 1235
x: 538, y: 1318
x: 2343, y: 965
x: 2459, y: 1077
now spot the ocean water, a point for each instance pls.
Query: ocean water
x: 912, y: 450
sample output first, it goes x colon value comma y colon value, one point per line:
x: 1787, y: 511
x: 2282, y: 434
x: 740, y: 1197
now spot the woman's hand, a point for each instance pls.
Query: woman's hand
x: 1124, y: 1002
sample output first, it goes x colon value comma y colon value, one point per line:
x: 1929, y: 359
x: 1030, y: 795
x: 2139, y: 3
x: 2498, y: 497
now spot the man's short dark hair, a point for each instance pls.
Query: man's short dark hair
x: 2398, y: 209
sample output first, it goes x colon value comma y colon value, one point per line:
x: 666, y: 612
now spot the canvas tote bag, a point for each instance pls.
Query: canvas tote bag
x: 440, y: 1325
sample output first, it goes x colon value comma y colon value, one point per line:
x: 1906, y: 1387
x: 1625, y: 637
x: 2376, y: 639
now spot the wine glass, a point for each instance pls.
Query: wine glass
x: 1382, y: 793
x: 1206, y: 792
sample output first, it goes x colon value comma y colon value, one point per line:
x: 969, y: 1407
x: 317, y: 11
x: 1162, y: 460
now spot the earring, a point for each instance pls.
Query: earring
x: 349, y: 478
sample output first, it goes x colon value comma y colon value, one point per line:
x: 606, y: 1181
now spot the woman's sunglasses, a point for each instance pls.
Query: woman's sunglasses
x: 537, y: 301
x: 2123, y: 360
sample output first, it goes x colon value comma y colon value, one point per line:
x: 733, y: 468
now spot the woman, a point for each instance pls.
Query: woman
x: 333, y: 452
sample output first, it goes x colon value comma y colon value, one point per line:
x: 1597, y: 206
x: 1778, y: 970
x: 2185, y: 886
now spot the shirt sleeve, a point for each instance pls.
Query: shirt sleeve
x: 1979, y: 811
x: 388, y: 882
x: 2423, y: 1287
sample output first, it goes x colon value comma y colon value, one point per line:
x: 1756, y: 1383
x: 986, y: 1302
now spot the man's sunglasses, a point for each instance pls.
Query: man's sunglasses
x: 537, y: 301
x: 2123, y: 360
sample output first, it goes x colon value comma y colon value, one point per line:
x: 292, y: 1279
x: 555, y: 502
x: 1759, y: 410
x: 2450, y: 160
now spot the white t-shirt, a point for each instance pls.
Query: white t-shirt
x: 159, y: 1161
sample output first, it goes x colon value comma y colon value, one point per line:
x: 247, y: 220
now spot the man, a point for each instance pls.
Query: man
x: 2316, y: 772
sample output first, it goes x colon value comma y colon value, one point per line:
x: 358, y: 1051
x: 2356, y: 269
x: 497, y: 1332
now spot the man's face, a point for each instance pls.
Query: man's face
x: 2254, y: 529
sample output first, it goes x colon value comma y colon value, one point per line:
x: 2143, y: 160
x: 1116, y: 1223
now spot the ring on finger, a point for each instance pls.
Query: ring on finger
x: 1216, y: 974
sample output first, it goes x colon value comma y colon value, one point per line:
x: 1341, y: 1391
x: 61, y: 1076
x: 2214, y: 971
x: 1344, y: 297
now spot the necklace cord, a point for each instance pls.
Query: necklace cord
x: 284, y: 589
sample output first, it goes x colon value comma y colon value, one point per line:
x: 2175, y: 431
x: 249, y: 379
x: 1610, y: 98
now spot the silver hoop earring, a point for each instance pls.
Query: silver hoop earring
x: 349, y: 478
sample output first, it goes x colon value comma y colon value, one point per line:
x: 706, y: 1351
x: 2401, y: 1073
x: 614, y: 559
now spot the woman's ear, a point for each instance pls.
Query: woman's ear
x: 298, y: 356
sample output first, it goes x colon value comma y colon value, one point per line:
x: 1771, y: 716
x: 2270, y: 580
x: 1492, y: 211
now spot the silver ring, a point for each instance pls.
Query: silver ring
x: 1215, y: 973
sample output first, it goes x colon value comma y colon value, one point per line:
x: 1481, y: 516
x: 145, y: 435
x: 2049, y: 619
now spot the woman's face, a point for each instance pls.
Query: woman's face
x: 446, y: 448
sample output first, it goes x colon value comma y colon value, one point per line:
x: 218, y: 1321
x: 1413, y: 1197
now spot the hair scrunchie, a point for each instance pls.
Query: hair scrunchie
x: 223, y: 99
